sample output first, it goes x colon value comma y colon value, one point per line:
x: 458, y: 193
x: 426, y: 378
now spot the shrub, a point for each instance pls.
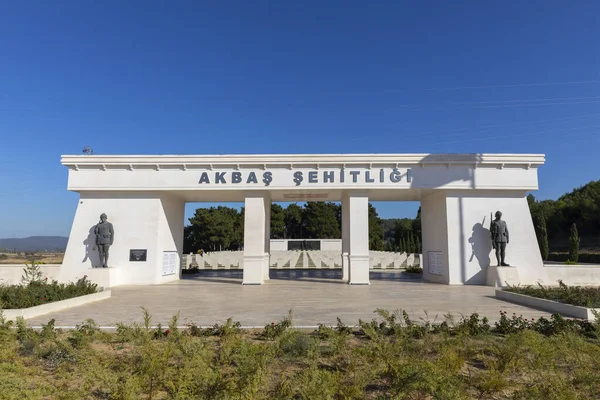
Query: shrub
x: 297, y: 344
x: 414, y: 269
x: 557, y: 324
x: 575, y: 295
x: 275, y: 330
x: 36, y: 293
x: 593, y: 258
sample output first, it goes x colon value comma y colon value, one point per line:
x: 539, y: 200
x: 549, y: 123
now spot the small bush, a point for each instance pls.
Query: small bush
x: 275, y: 330
x: 413, y: 269
x: 36, y: 292
x: 575, y: 295
x: 297, y: 344
x: 592, y: 258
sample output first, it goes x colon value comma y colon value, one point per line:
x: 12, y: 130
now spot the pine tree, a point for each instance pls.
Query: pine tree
x: 411, y: 244
x: 403, y: 248
x: 542, y: 234
x: 418, y: 246
x: 574, y: 244
x: 33, y: 273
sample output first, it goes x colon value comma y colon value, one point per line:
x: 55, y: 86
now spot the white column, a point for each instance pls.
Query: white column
x: 267, y: 252
x: 345, y: 237
x: 257, y: 207
x: 359, y: 239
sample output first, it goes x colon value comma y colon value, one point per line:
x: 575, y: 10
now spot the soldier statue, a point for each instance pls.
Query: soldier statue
x: 499, y: 232
x: 104, y: 239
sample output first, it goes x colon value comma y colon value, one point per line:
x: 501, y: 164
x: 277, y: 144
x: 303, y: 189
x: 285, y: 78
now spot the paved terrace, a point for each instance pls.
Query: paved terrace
x: 314, y: 296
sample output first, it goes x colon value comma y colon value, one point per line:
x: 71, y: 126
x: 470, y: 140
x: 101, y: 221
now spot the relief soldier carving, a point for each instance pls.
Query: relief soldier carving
x: 499, y: 233
x: 105, y: 235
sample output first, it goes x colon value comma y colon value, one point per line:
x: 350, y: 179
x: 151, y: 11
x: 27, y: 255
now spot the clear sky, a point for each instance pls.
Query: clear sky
x: 193, y: 77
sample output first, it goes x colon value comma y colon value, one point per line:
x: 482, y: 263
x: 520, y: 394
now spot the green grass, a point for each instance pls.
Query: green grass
x: 387, y: 358
x: 574, y: 295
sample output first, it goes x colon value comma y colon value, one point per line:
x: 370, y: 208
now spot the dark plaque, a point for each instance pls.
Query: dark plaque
x: 138, y: 254
x: 304, y: 245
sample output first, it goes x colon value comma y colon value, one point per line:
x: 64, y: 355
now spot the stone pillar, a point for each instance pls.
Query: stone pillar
x: 267, y: 251
x: 256, y: 244
x: 149, y: 222
x: 457, y: 247
x: 345, y: 238
x: 358, y: 229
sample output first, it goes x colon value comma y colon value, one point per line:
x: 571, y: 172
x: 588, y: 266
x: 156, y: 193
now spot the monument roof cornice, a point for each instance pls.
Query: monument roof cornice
x: 288, y: 160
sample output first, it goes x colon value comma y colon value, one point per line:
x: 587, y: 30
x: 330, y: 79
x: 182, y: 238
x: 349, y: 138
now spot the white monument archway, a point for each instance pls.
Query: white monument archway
x: 144, y: 197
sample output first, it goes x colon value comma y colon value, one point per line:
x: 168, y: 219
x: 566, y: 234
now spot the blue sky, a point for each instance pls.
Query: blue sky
x: 191, y: 77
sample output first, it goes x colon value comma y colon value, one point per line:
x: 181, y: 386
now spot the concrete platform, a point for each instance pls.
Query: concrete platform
x: 316, y: 296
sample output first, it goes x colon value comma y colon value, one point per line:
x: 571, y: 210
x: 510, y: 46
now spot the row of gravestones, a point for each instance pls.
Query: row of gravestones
x: 318, y: 259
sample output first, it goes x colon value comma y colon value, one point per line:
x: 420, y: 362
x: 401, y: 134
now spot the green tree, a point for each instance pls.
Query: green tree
x: 580, y: 206
x: 375, y: 230
x: 188, y: 239
x: 541, y: 233
x: 416, y: 223
x: 32, y: 272
x: 403, y: 245
x: 320, y: 220
x: 213, y: 228
x: 277, y: 222
x: 574, y: 243
x: 292, y: 217
x: 238, y: 230
x: 411, y: 243
x: 402, y: 229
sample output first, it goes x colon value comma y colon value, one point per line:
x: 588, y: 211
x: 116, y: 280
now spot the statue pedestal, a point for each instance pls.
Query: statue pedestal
x: 103, y: 277
x: 502, y: 276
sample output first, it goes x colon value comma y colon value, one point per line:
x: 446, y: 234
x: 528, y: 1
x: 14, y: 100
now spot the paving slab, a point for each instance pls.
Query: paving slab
x: 315, y: 297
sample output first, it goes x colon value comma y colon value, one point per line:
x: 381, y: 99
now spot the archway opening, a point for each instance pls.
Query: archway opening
x: 305, y: 240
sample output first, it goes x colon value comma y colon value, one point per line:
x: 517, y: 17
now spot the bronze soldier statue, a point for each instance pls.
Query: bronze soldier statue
x: 499, y: 232
x: 104, y: 239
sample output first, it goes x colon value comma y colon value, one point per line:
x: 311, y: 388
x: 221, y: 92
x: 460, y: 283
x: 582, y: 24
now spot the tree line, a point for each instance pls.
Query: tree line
x: 222, y: 228
x: 571, y: 221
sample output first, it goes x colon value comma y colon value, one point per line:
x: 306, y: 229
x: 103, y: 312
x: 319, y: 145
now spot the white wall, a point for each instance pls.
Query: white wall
x: 573, y: 275
x: 141, y: 221
x: 10, y: 274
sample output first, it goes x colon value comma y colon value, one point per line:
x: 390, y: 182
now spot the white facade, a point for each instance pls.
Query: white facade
x: 144, y: 198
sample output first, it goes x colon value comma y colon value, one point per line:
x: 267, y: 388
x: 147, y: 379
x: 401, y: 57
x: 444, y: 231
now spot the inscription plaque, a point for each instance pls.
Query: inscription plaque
x: 436, y: 264
x: 138, y: 254
x: 170, y: 262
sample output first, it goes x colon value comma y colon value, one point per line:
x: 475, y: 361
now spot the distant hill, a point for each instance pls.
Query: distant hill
x: 35, y: 243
